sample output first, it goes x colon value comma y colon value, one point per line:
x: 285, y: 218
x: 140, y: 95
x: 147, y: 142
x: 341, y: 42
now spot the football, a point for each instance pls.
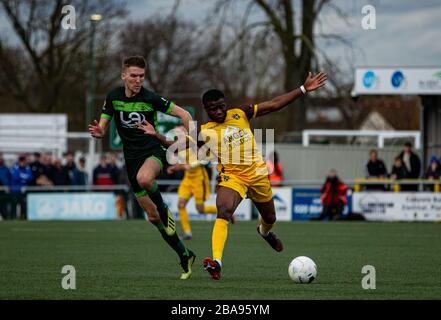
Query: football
x: 302, y: 270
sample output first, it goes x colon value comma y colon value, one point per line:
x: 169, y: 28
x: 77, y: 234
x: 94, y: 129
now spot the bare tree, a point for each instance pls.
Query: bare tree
x: 48, y: 59
x: 179, y: 53
x: 293, y: 25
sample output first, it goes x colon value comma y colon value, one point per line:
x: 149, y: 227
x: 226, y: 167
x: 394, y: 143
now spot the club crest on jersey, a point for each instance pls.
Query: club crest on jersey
x: 132, y: 120
x: 236, y: 116
x: 226, y: 178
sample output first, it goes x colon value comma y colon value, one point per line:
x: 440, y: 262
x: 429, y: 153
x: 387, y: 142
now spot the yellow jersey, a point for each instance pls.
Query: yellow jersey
x: 233, y: 143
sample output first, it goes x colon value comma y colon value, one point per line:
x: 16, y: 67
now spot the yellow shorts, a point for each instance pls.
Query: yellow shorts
x: 199, y: 188
x: 255, y: 187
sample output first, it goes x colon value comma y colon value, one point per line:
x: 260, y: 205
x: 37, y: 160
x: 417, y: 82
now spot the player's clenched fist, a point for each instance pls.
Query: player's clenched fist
x: 96, y: 130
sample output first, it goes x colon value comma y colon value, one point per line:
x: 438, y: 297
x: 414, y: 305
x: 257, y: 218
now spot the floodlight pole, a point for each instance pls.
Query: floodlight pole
x: 94, y: 19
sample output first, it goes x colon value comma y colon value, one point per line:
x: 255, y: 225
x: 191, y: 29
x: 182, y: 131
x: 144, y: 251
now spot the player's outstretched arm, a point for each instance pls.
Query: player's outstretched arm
x: 311, y: 83
x: 98, y: 130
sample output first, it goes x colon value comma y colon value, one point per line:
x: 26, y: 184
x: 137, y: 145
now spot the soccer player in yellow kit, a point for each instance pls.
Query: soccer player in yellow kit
x: 243, y: 172
x: 196, y: 183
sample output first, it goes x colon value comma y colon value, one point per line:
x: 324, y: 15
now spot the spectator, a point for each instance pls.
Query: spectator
x: 433, y: 172
x: 275, y: 169
x: 413, y: 165
x: 5, y: 181
x: 114, y: 167
x: 5, y: 174
x: 37, y: 167
x: 71, y: 168
x: 44, y: 171
x: 375, y: 169
x: 399, y: 171
x: 21, y: 175
x: 83, y: 177
x: 333, y: 197
x: 59, y: 174
x: 103, y: 173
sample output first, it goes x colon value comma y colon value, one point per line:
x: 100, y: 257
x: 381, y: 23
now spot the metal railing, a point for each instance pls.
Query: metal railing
x: 396, y: 184
x: 380, y: 135
x: 356, y: 183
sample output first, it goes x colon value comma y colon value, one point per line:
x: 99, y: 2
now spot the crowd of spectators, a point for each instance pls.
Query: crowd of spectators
x: 46, y: 170
x: 407, y: 165
x: 43, y: 169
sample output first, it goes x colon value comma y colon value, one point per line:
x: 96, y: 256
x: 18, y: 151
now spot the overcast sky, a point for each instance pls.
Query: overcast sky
x: 408, y: 32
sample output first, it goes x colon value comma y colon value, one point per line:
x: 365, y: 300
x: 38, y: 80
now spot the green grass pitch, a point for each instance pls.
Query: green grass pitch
x: 129, y: 260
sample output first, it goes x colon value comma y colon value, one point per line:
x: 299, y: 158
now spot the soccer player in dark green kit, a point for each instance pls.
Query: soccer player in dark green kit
x: 144, y: 156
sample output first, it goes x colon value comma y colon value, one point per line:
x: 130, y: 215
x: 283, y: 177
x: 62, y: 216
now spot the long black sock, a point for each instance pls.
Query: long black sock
x: 173, y: 241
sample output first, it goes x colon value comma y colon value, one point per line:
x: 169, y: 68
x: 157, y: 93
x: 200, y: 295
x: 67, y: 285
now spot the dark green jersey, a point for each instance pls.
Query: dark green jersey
x: 129, y: 112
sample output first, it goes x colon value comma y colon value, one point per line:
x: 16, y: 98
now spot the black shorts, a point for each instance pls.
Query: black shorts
x: 133, y: 166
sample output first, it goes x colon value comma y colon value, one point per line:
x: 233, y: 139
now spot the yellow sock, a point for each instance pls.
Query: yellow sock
x: 265, y: 227
x: 219, y: 236
x: 185, y: 221
x: 210, y: 209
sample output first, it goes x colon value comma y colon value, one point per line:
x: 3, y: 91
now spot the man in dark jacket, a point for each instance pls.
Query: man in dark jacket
x: 59, y: 174
x: 375, y: 169
x: 413, y: 165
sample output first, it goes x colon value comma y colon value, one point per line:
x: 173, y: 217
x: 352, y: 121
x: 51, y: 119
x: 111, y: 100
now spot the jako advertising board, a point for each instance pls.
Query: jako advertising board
x: 71, y: 206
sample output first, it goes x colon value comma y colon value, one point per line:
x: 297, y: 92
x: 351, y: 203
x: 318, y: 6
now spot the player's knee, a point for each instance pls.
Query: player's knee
x: 224, y: 210
x: 200, y: 208
x: 269, y: 218
x: 146, y: 181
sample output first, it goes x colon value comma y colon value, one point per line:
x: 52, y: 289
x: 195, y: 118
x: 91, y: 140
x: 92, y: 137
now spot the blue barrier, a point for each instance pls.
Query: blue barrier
x: 306, y: 204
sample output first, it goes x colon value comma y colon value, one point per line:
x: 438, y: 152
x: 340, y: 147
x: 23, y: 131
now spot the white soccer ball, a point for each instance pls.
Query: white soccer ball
x: 302, y: 270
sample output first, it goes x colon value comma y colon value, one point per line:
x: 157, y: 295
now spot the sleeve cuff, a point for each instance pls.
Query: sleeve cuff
x: 255, y: 111
x: 106, y: 116
x: 170, y: 108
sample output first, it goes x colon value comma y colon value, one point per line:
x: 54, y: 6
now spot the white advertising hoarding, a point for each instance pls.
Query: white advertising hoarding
x: 283, y: 203
x: 400, y: 206
x: 398, y: 80
x: 29, y: 132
